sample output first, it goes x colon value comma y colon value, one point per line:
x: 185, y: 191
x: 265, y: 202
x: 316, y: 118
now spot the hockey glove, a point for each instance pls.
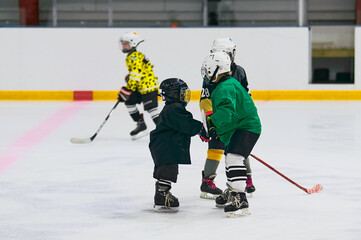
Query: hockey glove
x: 124, y: 94
x: 211, y: 129
x: 208, y: 121
x: 126, y: 78
x: 212, y: 133
x: 204, y: 135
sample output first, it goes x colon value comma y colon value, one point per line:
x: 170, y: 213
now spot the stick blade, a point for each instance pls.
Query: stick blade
x: 315, y: 189
x: 80, y: 140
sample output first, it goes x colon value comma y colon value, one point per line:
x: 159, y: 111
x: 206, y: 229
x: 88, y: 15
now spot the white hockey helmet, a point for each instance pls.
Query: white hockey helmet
x: 214, y: 65
x: 133, y: 38
x: 226, y: 45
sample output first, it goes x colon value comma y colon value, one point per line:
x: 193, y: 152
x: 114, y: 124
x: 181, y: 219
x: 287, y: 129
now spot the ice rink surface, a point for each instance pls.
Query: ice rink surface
x: 53, y: 189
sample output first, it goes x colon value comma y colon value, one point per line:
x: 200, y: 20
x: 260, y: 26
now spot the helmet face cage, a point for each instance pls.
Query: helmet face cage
x: 185, y: 94
x: 204, y: 74
x: 209, y: 76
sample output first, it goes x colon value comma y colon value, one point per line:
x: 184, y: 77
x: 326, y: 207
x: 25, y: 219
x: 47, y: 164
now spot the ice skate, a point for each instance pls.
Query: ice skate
x: 140, y: 130
x: 250, y: 188
x: 164, y: 201
x: 208, y: 189
x: 225, y: 198
x: 239, y: 205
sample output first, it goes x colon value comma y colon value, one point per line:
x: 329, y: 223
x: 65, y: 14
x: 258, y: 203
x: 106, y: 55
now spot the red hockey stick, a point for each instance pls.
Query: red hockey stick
x: 315, y: 189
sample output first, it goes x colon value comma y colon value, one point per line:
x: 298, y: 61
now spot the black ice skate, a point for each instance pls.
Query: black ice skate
x: 164, y: 201
x: 239, y: 205
x: 208, y: 189
x: 250, y: 188
x: 225, y: 198
x: 140, y: 130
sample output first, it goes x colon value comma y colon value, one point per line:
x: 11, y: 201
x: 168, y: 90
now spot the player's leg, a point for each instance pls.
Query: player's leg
x: 164, y: 201
x: 135, y: 98
x: 214, y: 154
x: 236, y: 178
x: 241, y: 145
x: 250, y: 188
x: 150, y: 103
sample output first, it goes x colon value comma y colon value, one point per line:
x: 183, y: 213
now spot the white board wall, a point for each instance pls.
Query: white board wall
x: 90, y: 59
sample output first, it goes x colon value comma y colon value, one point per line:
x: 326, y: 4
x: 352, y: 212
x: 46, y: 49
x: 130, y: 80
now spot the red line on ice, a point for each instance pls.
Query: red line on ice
x: 18, y: 149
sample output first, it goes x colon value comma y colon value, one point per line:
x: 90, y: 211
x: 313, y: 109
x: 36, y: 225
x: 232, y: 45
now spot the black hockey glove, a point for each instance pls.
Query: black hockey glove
x: 212, y: 133
x: 126, y: 78
x: 124, y: 94
x: 211, y: 129
x: 204, y: 135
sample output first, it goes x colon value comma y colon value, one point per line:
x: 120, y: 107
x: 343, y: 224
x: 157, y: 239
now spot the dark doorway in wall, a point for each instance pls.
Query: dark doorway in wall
x: 332, y: 54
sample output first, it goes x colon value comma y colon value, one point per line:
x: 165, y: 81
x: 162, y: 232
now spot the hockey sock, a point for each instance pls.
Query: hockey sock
x: 154, y: 114
x: 133, y: 112
x: 236, y: 171
x: 212, y: 161
x: 210, y: 167
x: 164, y: 184
x: 248, y: 166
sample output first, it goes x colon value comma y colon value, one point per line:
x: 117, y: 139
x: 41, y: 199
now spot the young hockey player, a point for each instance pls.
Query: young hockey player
x: 215, y: 147
x: 141, y: 84
x: 236, y: 123
x: 170, y: 141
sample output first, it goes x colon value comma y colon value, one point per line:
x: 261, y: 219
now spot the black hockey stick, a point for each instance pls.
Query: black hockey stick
x: 89, y: 140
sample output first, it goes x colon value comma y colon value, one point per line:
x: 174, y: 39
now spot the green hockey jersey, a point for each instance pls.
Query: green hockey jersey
x: 233, y: 109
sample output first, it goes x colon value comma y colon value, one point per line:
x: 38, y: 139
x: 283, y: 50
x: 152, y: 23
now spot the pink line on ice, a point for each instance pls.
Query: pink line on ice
x: 18, y: 149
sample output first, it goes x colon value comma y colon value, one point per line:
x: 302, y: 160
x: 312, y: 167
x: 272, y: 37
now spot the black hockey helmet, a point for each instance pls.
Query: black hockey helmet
x: 174, y: 90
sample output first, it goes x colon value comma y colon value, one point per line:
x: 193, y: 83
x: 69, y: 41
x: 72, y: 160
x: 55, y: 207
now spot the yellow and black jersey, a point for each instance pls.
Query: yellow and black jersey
x: 141, y: 75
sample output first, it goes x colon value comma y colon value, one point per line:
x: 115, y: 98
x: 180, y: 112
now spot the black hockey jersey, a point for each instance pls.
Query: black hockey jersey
x: 170, y: 140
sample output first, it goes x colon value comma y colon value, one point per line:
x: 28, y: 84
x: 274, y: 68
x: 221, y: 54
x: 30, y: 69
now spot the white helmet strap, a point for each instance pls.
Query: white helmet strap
x: 214, y: 74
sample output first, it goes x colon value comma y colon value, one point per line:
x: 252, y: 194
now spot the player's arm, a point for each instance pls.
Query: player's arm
x: 134, y: 65
x: 205, y: 102
x: 243, y: 79
x: 181, y: 120
x: 222, y: 118
x: 206, y: 106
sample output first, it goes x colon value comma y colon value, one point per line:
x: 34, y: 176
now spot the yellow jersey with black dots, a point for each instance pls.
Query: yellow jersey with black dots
x: 141, y: 75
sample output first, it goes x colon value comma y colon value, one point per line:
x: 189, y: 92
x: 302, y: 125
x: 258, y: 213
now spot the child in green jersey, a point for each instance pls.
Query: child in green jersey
x: 236, y: 123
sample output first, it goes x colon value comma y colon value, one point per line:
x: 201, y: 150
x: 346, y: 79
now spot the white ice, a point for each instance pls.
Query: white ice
x: 104, y: 190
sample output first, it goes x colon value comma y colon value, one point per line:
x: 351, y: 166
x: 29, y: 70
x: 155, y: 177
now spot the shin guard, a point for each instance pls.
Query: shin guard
x: 236, y: 171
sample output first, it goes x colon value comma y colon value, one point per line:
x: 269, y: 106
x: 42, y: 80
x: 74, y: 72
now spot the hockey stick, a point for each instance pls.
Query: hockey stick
x: 89, y: 140
x: 204, y: 120
x: 315, y: 189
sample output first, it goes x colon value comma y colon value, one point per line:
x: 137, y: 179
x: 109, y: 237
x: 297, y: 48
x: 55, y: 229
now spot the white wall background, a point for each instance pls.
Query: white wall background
x: 90, y: 59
